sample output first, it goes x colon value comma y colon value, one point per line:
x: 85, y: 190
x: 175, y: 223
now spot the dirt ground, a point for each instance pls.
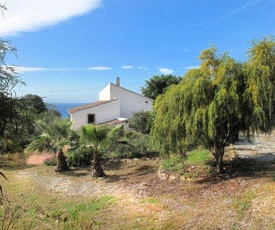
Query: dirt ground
x: 37, y: 159
x: 244, y: 198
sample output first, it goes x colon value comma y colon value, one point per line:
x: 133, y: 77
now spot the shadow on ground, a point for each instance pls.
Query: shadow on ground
x: 242, y: 167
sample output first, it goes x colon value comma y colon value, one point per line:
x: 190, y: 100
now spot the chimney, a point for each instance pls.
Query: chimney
x: 117, y: 81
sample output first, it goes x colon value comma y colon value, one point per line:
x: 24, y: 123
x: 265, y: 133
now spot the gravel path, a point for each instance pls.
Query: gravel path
x: 261, y: 148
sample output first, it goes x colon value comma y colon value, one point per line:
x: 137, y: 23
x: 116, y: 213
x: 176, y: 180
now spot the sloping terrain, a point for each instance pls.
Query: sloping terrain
x: 133, y: 197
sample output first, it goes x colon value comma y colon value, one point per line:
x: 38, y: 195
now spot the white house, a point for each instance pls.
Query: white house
x: 115, y: 106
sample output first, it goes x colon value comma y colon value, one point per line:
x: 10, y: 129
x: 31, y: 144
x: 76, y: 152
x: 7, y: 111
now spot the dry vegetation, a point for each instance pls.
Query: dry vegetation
x: 133, y: 197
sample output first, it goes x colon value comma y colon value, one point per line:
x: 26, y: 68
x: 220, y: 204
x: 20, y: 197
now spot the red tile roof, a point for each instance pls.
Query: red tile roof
x: 90, y: 105
x: 113, y: 122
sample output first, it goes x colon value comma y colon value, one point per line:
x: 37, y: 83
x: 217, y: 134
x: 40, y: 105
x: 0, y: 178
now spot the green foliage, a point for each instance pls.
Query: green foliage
x: 260, y: 92
x: 55, y: 136
x: 158, y: 85
x: 35, y: 102
x: 194, y: 165
x: 215, y: 102
x: 173, y: 164
x: 204, y: 108
x: 98, y: 139
x: 80, y: 158
x: 243, y: 202
x: 50, y: 161
x: 16, y: 120
x: 93, y: 206
x: 141, y: 121
x: 177, y: 162
x: 133, y: 145
x: 198, y: 156
x: 72, y: 215
x: 151, y: 200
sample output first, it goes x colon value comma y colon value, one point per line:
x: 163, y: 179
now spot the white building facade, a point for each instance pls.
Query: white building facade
x: 115, y: 106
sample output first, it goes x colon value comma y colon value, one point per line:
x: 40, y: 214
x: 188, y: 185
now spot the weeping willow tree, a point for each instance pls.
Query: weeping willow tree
x: 204, y: 108
x: 260, y: 70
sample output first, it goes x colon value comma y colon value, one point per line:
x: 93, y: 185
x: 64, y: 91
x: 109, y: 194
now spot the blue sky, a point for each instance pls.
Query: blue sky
x: 68, y: 50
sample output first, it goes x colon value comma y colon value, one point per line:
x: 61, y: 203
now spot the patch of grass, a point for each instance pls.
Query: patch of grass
x: 92, y: 206
x: 151, y: 200
x: 198, y: 156
x: 193, y: 166
x: 243, y: 203
x: 173, y: 163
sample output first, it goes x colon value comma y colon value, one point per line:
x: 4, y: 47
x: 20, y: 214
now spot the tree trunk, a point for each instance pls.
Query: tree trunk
x: 220, y: 164
x: 218, y: 154
x: 97, y: 168
x: 61, y: 161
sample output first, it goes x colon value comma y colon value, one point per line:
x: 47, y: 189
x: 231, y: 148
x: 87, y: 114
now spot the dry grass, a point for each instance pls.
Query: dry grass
x: 133, y: 197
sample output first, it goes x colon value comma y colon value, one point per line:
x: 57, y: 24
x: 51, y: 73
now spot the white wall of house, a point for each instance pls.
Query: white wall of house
x: 105, y: 93
x: 130, y: 101
x: 104, y: 112
x: 127, y: 103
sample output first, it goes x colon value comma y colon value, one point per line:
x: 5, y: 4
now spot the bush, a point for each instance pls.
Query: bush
x: 141, y: 121
x: 80, y: 159
x: 133, y: 145
x: 50, y: 161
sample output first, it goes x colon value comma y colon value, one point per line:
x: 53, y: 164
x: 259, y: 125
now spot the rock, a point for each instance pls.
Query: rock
x: 172, y: 177
x: 183, y: 178
x: 161, y: 174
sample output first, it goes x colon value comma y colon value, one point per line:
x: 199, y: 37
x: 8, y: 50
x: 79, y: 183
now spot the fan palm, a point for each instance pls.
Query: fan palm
x: 98, y: 139
x: 54, y: 138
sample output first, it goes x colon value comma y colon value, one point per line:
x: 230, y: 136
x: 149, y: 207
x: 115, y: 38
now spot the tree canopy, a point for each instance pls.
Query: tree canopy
x: 158, y: 85
x: 35, y: 102
x: 213, y: 103
x: 15, y: 117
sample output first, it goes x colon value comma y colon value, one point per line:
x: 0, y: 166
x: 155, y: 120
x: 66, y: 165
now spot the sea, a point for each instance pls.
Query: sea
x: 63, y: 107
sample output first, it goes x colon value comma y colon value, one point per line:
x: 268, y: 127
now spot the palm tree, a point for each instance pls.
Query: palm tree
x: 54, y: 138
x: 98, y: 139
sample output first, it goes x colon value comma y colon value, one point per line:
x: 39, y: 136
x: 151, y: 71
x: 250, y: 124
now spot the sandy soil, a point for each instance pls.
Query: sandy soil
x: 37, y: 159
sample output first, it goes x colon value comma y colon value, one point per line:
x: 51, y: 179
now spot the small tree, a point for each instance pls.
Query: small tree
x: 204, y: 108
x: 141, y: 121
x: 54, y: 138
x: 97, y: 139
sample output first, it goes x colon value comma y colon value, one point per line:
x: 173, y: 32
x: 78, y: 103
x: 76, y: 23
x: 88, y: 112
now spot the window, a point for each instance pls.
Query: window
x: 91, y: 118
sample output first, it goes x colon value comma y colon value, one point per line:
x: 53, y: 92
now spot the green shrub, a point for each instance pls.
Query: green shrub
x: 50, y: 161
x: 133, y: 145
x: 80, y: 159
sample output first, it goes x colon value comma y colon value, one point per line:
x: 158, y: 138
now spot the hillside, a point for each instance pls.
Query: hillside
x: 133, y: 196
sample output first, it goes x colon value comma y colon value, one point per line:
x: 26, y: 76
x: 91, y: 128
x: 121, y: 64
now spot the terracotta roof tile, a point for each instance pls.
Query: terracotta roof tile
x: 113, y: 122
x: 90, y: 105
